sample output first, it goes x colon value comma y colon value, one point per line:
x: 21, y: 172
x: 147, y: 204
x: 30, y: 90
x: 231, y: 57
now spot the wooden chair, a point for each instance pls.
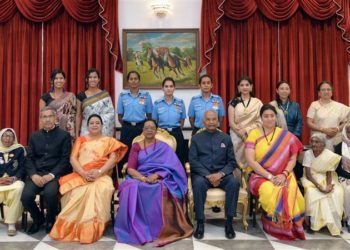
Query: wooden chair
x: 114, y: 201
x: 216, y: 196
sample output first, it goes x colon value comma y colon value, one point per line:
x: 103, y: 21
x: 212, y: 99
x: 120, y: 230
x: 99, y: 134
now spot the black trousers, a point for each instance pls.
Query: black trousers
x: 200, y: 185
x: 50, y: 194
x: 180, y: 143
x: 127, y: 134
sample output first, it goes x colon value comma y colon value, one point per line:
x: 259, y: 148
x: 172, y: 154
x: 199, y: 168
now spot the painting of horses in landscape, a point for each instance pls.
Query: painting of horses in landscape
x: 159, y: 53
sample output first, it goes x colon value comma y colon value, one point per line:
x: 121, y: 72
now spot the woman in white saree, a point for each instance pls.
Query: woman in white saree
x: 243, y: 116
x: 324, y: 195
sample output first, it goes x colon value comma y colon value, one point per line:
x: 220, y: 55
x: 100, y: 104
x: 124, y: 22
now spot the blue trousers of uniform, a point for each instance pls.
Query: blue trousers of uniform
x: 200, y: 185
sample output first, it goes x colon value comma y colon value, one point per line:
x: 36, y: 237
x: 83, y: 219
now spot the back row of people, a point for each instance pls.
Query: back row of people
x: 135, y: 105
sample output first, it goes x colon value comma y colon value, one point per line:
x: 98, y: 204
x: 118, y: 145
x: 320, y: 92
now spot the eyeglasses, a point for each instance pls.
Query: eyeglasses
x: 324, y: 90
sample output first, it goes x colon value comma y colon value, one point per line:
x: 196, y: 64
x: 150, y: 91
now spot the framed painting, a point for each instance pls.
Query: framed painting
x: 160, y: 53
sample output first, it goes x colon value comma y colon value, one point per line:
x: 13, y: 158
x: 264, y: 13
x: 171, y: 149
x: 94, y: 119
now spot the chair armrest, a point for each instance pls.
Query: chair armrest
x: 241, y: 176
x: 188, y: 168
x: 125, y: 166
x: 244, y: 182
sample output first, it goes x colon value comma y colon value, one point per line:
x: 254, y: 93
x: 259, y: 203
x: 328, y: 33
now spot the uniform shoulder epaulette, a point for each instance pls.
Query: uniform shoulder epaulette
x: 178, y: 99
x: 158, y: 101
x: 196, y: 97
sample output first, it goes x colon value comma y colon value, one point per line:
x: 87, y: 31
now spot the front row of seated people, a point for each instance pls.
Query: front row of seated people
x: 152, y: 198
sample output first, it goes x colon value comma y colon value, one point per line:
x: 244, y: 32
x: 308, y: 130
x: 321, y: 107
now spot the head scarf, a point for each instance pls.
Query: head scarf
x: 4, y: 149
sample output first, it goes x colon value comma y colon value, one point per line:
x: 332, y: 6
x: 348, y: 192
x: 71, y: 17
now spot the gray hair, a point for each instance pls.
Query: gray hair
x: 210, y: 111
x: 46, y: 108
x: 322, y: 137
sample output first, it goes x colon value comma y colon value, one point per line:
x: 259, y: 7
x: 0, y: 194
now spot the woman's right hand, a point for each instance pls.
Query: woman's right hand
x: 330, y: 132
x: 6, y: 180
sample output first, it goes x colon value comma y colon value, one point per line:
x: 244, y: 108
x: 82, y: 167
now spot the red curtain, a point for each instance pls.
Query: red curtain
x: 78, y: 34
x: 299, y: 49
x: 76, y: 47
x: 20, y: 75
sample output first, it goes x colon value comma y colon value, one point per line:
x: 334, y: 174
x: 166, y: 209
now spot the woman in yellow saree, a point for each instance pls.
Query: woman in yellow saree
x: 324, y: 195
x: 272, y: 152
x: 87, y: 192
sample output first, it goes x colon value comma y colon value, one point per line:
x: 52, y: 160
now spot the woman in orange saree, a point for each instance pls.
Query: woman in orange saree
x: 272, y: 152
x: 87, y: 192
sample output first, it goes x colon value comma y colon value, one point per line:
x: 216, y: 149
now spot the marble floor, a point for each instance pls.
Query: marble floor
x: 214, y: 239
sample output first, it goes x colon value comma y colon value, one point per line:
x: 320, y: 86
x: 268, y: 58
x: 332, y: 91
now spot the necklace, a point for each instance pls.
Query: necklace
x: 273, y: 134
x: 144, y: 145
x: 285, y: 110
x: 245, y: 106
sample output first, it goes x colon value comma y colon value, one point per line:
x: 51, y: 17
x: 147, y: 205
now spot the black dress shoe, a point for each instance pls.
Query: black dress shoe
x: 48, y: 227
x: 199, y: 233
x: 216, y: 209
x: 229, y: 232
x: 35, y: 227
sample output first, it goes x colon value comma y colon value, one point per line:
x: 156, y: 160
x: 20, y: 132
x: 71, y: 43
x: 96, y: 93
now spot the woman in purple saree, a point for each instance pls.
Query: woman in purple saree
x: 152, y: 198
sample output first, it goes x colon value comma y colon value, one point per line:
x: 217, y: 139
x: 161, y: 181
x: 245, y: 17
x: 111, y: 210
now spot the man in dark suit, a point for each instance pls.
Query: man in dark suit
x: 48, y: 159
x: 212, y: 163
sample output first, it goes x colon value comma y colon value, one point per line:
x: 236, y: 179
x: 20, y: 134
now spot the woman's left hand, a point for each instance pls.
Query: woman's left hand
x: 242, y: 133
x: 153, y: 178
x: 92, y: 175
x: 279, y: 180
x: 328, y: 188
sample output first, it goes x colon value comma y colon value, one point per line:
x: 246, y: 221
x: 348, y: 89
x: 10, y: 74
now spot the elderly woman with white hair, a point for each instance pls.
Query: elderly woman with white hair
x: 343, y: 169
x: 324, y: 195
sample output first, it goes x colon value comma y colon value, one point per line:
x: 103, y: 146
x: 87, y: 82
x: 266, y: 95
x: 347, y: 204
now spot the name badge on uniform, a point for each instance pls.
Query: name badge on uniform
x: 2, y: 160
x: 215, y: 104
x: 222, y: 145
x: 142, y: 100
